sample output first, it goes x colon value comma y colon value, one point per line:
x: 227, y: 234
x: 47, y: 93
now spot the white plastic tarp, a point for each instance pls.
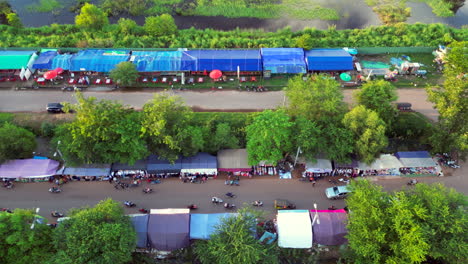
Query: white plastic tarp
x: 385, y: 161
x: 294, y: 229
x: 418, y: 162
x: 320, y: 166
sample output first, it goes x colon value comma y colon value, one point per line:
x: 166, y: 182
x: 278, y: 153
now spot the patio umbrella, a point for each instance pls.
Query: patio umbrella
x: 215, y: 74
x: 50, y: 75
x: 345, y: 77
x: 59, y: 70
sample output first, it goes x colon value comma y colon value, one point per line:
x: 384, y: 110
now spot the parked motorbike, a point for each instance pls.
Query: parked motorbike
x: 143, y: 211
x: 192, y: 206
x: 232, y: 182
x: 129, y: 204
x: 216, y: 200
x: 229, y: 206
x: 257, y: 203
x: 55, y: 190
x: 8, y: 185
x: 71, y: 89
x: 155, y: 182
x: 147, y: 190
x: 56, y: 214
x: 6, y: 210
x: 412, y: 182
x: 230, y: 195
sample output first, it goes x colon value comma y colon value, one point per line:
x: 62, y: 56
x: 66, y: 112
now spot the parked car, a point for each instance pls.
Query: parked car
x: 337, y: 192
x: 284, y: 204
x: 55, y: 108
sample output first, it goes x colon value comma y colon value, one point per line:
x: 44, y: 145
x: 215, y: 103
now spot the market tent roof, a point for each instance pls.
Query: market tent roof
x: 154, y: 61
x: 168, y: 229
x: 416, y: 159
x: 202, y: 163
x: 88, y: 170
x: 385, y: 161
x: 354, y: 164
x: 62, y: 61
x: 156, y: 165
x: 233, y: 160
x: 412, y: 154
x: 98, y: 60
x: 329, y: 60
x: 14, y: 59
x: 203, y: 225
x: 319, y: 166
x: 140, y: 223
x: 283, y: 60
x: 28, y: 168
x: 139, y: 165
x: 223, y: 60
x: 44, y: 61
x: 294, y: 229
x: 332, y: 228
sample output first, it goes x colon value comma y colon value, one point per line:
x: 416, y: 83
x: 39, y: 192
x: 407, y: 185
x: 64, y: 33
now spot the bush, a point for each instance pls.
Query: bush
x: 48, y: 129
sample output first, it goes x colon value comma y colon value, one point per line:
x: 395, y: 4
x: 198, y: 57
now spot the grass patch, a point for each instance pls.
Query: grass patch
x: 159, y: 7
x: 5, y: 117
x: 234, y: 10
x: 306, y: 9
x: 440, y: 8
x: 45, y: 6
x: 34, y: 121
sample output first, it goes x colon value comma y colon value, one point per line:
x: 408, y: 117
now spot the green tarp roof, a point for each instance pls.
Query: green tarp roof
x: 13, y: 60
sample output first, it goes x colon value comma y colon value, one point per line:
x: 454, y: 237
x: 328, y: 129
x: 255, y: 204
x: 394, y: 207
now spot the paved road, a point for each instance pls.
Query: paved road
x: 17, y: 101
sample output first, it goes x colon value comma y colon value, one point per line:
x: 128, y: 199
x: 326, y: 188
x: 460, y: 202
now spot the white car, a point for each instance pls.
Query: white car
x: 337, y: 192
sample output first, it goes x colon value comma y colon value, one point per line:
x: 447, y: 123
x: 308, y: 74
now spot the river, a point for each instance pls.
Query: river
x: 354, y: 14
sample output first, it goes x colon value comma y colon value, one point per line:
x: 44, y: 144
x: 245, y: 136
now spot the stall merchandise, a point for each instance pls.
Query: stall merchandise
x: 417, y: 163
x: 386, y: 164
x: 265, y: 169
x: 127, y: 170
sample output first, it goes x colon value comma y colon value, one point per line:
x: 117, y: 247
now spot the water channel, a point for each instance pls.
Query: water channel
x: 354, y: 14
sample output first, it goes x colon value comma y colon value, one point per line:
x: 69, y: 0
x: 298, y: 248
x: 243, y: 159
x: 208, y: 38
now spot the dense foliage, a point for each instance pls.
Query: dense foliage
x: 125, y: 73
x: 15, y: 142
x: 398, y: 35
x: 427, y: 223
x: 91, y: 17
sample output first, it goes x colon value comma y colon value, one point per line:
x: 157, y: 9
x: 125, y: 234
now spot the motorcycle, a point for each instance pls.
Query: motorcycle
x: 155, y: 182
x: 6, y: 210
x: 232, y: 182
x: 8, y: 185
x: 147, y: 190
x: 229, y: 206
x: 56, y: 214
x: 143, y: 211
x: 216, y: 200
x: 230, y: 195
x: 192, y: 206
x: 332, y: 208
x: 55, y: 190
x: 257, y: 203
x: 129, y: 204
x: 412, y: 182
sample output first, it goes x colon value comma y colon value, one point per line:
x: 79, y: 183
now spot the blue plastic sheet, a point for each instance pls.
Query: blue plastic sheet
x: 412, y: 154
x: 98, y: 60
x: 200, y: 161
x: 223, y: 60
x: 63, y: 61
x: 44, y: 61
x: 329, y: 60
x: 284, y: 60
x: 140, y: 223
x: 154, y: 61
x: 157, y: 165
x: 202, y: 226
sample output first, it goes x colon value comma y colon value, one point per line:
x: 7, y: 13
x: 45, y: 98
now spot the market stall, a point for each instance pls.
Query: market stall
x: 140, y: 223
x: 96, y: 60
x: 158, y: 166
x: 386, y: 164
x: 329, y: 60
x: 235, y: 161
x: 346, y: 169
x: 88, y: 171
x: 332, y: 228
x: 318, y: 168
x: 169, y: 229
x: 202, y: 164
x: 62, y: 61
x: 283, y: 60
x: 16, y: 59
x: 203, y: 225
x: 223, y: 60
x: 417, y: 163
x: 129, y: 170
x: 44, y: 61
x: 28, y: 168
x: 294, y: 229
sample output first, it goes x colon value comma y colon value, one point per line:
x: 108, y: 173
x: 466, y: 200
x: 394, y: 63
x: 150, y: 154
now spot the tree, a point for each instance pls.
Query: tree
x: 125, y: 73
x: 91, y: 17
x: 337, y: 142
x: 269, y: 137
x: 451, y: 100
x: 222, y: 138
x: 164, y: 122
x: 368, y: 132
x: 19, y: 244
x: 16, y: 142
x: 103, y: 234
x: 14, y: 20
x: 127, y: 26
x: 234, y: 242
x: 425, y: 223
x: 192, y: 141
x: 103, y: 132
x: 379, y: 96
x: 308, y: 137
x: 160, y: 25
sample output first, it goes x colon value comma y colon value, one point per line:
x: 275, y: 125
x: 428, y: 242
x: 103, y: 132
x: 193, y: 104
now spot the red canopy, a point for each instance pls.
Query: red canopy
x: 50, y: 75
x: 215, y: 74
x: 59, y: 70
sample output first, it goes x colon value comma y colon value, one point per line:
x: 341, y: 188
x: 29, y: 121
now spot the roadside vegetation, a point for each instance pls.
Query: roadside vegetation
x: 45, y: 6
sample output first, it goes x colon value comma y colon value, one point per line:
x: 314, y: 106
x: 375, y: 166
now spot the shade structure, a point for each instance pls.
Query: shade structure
x: 216, y: 74
x: 85, y: 170
x: 14, y: 59
x: 385, y: 161
x: 329, y: 60
x: 98, y: 60
x: 294, y: 229
x: 44, y: 61
x: 345, y: 77
x: 156, y: 164
x: 233, y: 160
x: 138, y: 165
x: 203, y: 225
x: 200, y: 163
x: 62, y: 61
x: 223, y: 60
x: 50, y: 75
x: 332, y: 228
x: 155, y: 61
x: 319, y: 166
x: 415, y: 159
x: 283, y: 60
x: 169, y: 229
x: 140, y: 223
x: 59, y: 70
x: 28, y: 168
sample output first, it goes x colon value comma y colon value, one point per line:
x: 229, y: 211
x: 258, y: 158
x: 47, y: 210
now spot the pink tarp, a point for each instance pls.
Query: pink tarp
x: 28, y: 168
x: 332, y: 228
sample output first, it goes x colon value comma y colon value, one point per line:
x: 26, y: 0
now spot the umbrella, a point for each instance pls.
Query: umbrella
x: 50, y: 75
x: 215, y: 74
x: 205, y: 72
x: 59, y: 70
x: 345, y: 77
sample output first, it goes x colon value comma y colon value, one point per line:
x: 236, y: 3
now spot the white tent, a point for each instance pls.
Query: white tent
x: 294, y: 229
x: 320, y: 166
x: 385, y: 161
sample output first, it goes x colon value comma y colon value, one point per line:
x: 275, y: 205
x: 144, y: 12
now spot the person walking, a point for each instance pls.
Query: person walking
x: 313, y: 183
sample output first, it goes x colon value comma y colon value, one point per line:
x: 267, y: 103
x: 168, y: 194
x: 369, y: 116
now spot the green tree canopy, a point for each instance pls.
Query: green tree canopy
x: 127, y: 26
x: 426, y: 223
x: 160, y: 25
x: 337, y: 142
x: 103, y: 132
x: 15, y: 142
x: 19, y: 244
x: 269, y: 137
x: 368, y: 132
x: 117, y: 7
x: 125, y: 73
x: 103, y: 234
x: 378, y: 96
x: 14, y: 20
x: 164, y: 122
x: 307, y: 137
x: 91, y: 17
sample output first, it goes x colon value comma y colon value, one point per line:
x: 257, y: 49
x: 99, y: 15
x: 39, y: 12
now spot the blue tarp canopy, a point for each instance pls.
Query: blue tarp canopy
x: 140, y: 223
x: 44, y: 61
x: 203, y: 225
x: 155, y: 61
x: 62, y: 61
x: 200, y: 163
x: 223, y: 60
x: 139, y: 165
x: 98, y: 60
x: 156, y: 165
x: 284, y: 60
x: 85, y: 170
x: 329, y: 60
x: 412, y: 154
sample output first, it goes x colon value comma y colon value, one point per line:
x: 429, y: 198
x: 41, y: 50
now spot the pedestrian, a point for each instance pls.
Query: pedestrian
x: 110, y: 180
x: 313, y: 183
